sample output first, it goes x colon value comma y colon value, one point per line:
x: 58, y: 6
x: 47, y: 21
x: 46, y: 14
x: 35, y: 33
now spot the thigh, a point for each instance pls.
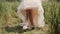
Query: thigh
x: 34, y: 12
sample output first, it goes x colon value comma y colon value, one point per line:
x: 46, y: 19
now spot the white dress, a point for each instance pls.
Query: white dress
x: 32, y: 3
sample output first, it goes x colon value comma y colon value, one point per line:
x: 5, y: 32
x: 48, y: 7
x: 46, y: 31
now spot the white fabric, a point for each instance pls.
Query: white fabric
x: 29, y: 3
x: 32, y: 3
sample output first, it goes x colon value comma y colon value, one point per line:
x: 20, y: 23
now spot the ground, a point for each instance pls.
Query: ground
x: 18, y: 30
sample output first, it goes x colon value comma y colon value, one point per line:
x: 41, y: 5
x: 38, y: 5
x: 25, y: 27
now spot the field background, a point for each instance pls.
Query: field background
x: 9, y: 21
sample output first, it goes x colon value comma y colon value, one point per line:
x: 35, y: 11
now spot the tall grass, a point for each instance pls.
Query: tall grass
x: 51, y: 15
x: 8, y: 14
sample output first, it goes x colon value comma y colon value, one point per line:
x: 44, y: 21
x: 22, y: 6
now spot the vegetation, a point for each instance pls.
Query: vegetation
x: 8, y: 17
